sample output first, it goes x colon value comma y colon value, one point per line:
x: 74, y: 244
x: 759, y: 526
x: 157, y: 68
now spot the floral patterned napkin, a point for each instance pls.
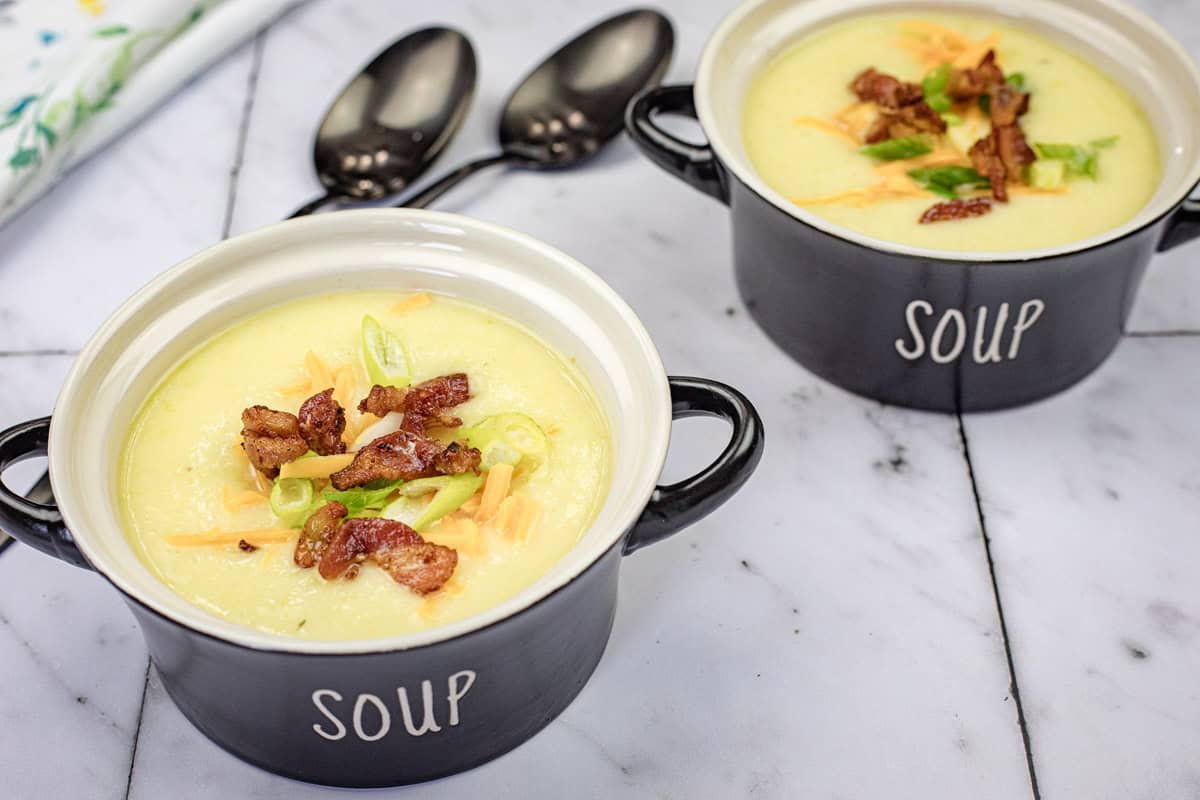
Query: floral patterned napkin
x: 74, y: 74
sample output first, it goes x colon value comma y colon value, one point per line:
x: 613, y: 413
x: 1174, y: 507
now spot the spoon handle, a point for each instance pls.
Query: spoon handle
x: 423, y: 198
x: 313, y: 205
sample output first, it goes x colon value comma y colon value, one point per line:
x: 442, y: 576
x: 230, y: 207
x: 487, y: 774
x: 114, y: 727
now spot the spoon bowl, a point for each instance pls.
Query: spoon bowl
x: 394, y: 118
x: 573, y: 103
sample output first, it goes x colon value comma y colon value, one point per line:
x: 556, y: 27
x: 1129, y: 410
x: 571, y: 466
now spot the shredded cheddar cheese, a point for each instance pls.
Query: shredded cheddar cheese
x: 218, y: 537
x: 827, y: 127
x: 494, y: 489
x: 316, y: 466
x: 412, y: 303
x: 236, y: 501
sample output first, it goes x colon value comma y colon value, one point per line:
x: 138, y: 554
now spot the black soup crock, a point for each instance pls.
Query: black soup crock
x: 941, y: 330
x: 377, y: 712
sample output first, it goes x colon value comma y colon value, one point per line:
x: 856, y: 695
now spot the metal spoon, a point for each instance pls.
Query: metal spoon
x: 395, y: 118
x: 574, y: 102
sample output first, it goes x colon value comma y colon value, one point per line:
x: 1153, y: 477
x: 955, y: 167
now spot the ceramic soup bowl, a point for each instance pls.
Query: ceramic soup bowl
x: 377, y: 712
x: 934, y: 329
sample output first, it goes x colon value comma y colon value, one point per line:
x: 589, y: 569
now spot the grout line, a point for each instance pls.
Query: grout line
x: 226, y: 225
x: 243, y: 131
x: 50, y: 351
x: 1175, y: 334
x: 1013, y: 688
x: 137, y: 730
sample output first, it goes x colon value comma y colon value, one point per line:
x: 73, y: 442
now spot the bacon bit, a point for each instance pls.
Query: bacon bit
x: 316, y: 466
x: 402, y: 455
x: 412, y: 303
x: 322, y: 423
x: 902, y: 107
x: 383, y: 400
x: 236, y: 502
x: 319, y: 530
x: 426, y: 404
x: 398, y: 549
x: 271, y: 438
x: 499, y: 479
x: 961, y: 208
x: 246, y: 547
x: 217, y: 537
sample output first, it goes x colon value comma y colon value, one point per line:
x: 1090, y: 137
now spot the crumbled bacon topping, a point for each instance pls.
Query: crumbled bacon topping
x: 426, y: 404
x: 970, y: 84
x: 322, y: 422
x: 318, y: 531
x: 456, y: 459
x: 246, y: 547
x: 271, y: 439
x: 1003, y: 154
x: 404, y: 455
x: 383, y: 400
x: 960, y: 208
x: 902, y: 107
x: 399, y: 550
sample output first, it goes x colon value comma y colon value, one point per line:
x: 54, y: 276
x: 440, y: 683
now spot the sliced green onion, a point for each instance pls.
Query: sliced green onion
x: 947, y: 181
x: 896, y: 149
x: 452, y: 492
x: 383, y: 352
x: 509, y: 439
x: 1079, y: 161
x: 939, y: 103
x: 292, y: 500
x: 1047, y: 173
x: 951, y: 119
x: 1016, y: 81
x: 362, y: 499
x: 935, y: 81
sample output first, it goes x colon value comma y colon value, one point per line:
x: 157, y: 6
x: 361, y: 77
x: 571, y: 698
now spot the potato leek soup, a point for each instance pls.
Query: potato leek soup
x: 949, y: 132
x: 363, y: 464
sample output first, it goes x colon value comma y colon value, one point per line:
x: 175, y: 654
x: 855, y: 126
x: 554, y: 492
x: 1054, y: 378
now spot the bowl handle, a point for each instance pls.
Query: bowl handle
x: 674, y: 507
x: 693, y: 164
x: 33, y: 519
x: 1183, y: 226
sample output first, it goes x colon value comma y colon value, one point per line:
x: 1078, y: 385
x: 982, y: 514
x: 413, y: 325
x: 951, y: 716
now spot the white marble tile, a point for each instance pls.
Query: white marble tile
x: 1091, y: 501
x: 73, y: 659
x: 154, y: 197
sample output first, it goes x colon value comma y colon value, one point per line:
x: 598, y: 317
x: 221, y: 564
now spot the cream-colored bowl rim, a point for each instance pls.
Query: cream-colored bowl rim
x: 763, y: 27
x: 518, y: 271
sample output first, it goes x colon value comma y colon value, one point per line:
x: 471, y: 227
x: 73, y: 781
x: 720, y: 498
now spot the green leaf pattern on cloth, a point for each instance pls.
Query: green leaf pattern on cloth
x: 42, y: 128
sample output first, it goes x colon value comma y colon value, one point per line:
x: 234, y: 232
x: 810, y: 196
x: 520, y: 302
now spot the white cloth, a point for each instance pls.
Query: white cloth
x: 74, y: 74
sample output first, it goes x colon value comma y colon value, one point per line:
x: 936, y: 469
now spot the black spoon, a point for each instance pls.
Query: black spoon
x: 574, y: 102
x: 395, y: 118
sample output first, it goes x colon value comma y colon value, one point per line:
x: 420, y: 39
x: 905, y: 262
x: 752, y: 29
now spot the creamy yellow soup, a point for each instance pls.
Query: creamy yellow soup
x: 799, y: 110
x: 183, y: 472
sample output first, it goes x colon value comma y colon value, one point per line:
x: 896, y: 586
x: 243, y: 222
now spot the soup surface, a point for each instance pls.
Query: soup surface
x: 803, y: 129
x: 189, y: 494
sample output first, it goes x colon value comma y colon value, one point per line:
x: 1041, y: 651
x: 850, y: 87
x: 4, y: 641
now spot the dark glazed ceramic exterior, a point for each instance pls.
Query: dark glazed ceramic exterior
x: 917, y: 327
x: 941, y: 334
x: 403, y: 716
